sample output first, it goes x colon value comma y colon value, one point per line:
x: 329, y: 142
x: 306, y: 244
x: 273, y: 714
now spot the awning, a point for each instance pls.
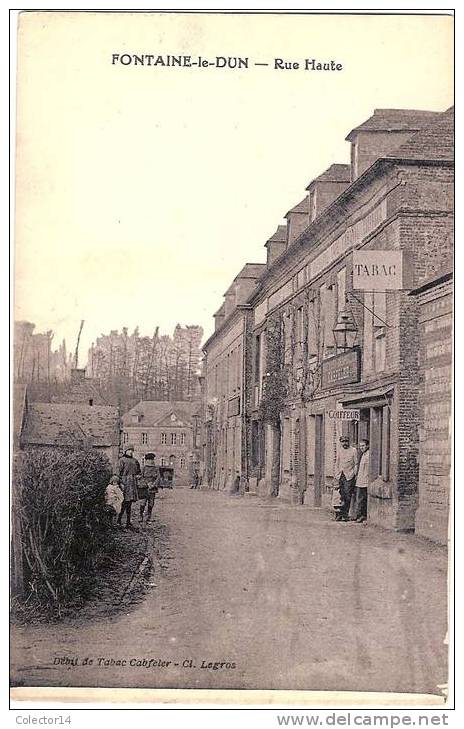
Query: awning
x: 371, y: 398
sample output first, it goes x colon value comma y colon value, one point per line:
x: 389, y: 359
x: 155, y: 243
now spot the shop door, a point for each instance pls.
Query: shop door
x: 319, y: 449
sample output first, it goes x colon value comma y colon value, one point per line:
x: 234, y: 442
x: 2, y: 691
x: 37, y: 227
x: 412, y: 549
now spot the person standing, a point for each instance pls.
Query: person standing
x: 129, y: 469
x: 148, y: 485
x: 346, y: 467
x: 362, y: 482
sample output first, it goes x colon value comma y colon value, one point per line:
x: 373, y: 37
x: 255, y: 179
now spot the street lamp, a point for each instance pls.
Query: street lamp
x: 345, y: 331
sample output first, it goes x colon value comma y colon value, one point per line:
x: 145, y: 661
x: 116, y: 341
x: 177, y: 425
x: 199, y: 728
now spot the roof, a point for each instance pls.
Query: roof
x: 19, y: 410
x: 395, y: 120
x: 280, y: 236
x: 71, y: 423
x: 81, y: 392
x: 435, y: 142
x: 249, y: 270
x: 431, y: 282
x: 302, y: 207
x: 334, y: 173
x: 155, y: 410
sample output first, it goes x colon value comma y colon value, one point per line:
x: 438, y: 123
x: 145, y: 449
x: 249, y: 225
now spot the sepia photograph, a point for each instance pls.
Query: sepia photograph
x: 232, y: 356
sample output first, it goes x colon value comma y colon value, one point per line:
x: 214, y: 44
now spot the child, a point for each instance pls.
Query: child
x: 148, y: 485
x: 113, y: 498
x: 337, y: 503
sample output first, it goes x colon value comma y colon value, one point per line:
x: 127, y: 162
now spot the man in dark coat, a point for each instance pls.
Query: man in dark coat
x: 129, y: 469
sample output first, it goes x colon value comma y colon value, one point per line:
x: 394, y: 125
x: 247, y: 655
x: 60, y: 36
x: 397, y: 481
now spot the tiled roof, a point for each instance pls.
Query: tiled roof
x: 19, y: 408
x: 435, y: 142
x: 280, y: 236
x: 70, y: 423
x: 335, y: 173
x: 82, y: 392
x: 302, y: 207
x: 154, y: 410
x: 390, y: 120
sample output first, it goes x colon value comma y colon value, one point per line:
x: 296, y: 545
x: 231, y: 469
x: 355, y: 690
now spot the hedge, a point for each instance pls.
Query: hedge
x: 65, y: 530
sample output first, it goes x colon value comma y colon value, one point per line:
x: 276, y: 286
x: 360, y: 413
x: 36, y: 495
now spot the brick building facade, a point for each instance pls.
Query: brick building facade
x: 225, y: 437
x: 394, y: 197
x: 435, y: 300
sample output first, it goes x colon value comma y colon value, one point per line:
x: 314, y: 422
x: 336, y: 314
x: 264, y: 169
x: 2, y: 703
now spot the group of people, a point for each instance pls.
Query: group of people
x: 133, y: 484
x: 351, y: 480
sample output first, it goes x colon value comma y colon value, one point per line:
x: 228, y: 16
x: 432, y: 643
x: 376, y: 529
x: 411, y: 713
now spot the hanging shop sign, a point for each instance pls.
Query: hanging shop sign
x: 344, y: 415
x: 342, y: 369
x: 378, y: 270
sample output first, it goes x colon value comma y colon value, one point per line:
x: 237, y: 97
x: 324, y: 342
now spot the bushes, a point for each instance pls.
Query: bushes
x: 65, y: 530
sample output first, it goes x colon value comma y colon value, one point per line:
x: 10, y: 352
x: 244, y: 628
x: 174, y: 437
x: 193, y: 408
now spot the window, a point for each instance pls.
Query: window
x: 144, y: 438
x: 125, y: 437
x: 173, y: 438
x: 182, y: 462
x: 162, y: 461
x: 375, y: 329
x: 312, y: 328
x: 164, y: 438
x: 341, y: 289
x: 380, y: 442
x: 172, y: 460
x: 182, y: 438
x: 299, y: 325
x: 328, y: 319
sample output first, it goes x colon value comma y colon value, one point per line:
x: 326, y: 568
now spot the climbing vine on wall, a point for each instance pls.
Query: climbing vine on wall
x: 275, y: 382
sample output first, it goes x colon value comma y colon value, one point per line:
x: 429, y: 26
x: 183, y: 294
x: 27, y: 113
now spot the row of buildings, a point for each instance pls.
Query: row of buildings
x: 346, y: 328
x: 170, y: 430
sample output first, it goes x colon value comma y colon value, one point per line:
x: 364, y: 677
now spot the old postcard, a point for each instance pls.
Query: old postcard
x: 232, y: 357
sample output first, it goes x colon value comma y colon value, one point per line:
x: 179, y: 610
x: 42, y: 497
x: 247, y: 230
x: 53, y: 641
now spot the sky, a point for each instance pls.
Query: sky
x: 141, y: 191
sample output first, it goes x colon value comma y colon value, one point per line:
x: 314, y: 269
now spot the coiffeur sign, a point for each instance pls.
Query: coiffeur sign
x: 343, y: 415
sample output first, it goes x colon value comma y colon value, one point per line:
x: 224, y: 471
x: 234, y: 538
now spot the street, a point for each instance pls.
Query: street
x: 253, y: 594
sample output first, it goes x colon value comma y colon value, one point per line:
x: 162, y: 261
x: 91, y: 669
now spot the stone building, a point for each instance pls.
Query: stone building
x: 65, y: 425
x: 224, y: 446
x: 435, y: 300
x: 321, y: 342
x: 169, y: 430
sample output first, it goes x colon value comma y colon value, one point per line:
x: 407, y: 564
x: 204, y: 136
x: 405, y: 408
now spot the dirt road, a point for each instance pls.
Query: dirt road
x: 253, y: 594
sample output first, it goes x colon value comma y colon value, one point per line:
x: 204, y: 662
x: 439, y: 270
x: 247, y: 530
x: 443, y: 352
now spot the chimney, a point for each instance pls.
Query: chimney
x: 77, y: 375
x: 326, y: 188
x: 276, y: 244
x: 297, y: 220
x: 386, y: 130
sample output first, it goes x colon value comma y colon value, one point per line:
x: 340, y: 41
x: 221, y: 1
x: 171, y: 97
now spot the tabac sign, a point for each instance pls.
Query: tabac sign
x: 378, y: 270
x: 341, y: 369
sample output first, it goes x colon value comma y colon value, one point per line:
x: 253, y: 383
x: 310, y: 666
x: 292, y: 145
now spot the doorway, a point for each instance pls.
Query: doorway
x: 319, y: 449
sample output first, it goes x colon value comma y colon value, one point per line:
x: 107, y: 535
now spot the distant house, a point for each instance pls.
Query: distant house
x: 70, y: 424
x: 81, y: 389
x: 167, y: 429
